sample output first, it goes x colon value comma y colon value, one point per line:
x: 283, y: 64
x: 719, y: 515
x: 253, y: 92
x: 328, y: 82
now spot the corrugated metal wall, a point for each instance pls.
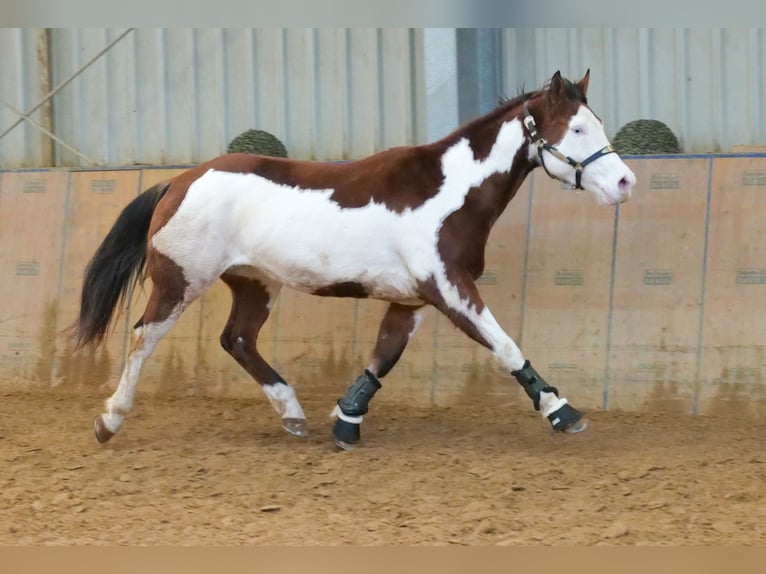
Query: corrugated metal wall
x: 170, y: 96
x: 707, y: 85
x: 178, y: 96
x: 21, y: 86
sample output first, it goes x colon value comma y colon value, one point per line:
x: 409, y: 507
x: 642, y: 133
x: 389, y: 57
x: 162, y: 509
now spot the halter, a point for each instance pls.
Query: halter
x: 543, y: 145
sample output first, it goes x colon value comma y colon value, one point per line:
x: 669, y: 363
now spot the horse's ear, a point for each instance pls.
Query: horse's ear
x: 556, y: 85
x: 583, y: 84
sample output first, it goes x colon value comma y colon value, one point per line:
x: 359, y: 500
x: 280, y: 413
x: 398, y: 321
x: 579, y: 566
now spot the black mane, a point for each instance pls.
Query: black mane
x: 571, y: 89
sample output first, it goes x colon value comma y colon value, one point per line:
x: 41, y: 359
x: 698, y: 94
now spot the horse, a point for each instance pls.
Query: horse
x: 407, y: 225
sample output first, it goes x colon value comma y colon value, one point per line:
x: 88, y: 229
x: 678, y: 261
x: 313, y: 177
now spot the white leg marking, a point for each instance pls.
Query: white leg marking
x: 503, y: 347
x: 145, y: 339
x: 337, y: 413
x: 112, y: 421
x: 284, y: 400
x: 550, y: 403
x: 418, y: 318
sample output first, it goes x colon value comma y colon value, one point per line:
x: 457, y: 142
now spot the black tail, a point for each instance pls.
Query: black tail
x: 115, y: 267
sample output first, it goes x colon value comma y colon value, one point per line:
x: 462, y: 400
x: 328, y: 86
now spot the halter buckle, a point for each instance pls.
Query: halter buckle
x: 529, y: 123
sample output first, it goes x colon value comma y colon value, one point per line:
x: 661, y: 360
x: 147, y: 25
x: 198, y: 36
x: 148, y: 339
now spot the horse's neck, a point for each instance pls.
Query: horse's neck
x: 494, y: 149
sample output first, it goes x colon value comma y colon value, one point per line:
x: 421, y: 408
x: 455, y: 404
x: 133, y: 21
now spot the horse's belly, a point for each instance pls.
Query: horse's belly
x: 344, y: 273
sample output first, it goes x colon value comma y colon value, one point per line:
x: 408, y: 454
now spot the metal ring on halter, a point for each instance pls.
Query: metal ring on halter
x: 542, y: 145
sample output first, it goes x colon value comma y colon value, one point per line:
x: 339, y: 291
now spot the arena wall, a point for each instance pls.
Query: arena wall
x: 177, y: 95
x: 654, y: 303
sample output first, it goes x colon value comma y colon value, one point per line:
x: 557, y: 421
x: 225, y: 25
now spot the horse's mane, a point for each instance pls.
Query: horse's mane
x: 506, y: 104
x: 571, y: 89
x: 521, y: 96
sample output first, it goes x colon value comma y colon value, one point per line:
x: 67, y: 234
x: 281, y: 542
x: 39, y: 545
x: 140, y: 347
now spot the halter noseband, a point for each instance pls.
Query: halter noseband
x: 542, y: 145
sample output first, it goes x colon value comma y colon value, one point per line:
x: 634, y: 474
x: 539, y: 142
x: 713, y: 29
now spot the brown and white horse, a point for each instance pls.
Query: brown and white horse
x: 408, y: 225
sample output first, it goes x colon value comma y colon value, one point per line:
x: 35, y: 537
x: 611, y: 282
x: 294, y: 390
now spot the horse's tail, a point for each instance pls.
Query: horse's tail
x: 115, y: 268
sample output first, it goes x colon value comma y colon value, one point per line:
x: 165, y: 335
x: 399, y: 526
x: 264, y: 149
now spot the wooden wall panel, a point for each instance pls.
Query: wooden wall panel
x: 96, y: 198
x: 32, y: 210
x: 652, y: 305
x: 733, y: 362
x: 567, y: 293
x: 658, y: 287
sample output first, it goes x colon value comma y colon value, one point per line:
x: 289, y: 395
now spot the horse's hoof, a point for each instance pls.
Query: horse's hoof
x: 344, y: 445
x: 103, y: 434
x: 577, y: 426
x: 567, y: 419
x: 346, y: 434
x: 296, y: 427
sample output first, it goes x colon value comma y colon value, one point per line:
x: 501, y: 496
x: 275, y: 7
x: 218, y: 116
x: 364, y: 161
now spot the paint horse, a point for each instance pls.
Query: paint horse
x: 408, y: 225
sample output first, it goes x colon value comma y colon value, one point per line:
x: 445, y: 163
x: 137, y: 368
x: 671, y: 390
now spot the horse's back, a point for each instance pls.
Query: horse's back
x: 300, y: 237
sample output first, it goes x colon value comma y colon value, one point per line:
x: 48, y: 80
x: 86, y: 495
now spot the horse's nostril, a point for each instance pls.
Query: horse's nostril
x: 624, y: 183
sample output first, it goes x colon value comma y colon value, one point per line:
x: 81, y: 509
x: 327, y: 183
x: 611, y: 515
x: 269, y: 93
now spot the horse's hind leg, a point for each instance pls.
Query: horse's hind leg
x: 169, y: 297
x: 399, y: 324
x: 251, y: 303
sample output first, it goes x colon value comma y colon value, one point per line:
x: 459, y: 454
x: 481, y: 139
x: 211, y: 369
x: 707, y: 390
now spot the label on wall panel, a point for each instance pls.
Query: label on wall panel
x: 647, y: 372
x: 665, y: 181
x: 489, y: 278
x: 658, y: 277
x: 27, y: 268
x: 751, y: 276
x: 561, y: 366
x: 744, y: 374
x: 33, y: 186
x: 312, y: 363
x: 18, y: 346
x: 102, y: 186
x: 569, y: 277
x: 754, y: 178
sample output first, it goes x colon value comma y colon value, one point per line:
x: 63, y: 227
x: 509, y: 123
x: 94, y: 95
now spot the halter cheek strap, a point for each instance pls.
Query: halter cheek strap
x: 543, y: 145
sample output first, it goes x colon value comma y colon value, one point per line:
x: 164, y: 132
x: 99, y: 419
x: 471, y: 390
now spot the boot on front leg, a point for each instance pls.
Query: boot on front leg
x: 562, y: 416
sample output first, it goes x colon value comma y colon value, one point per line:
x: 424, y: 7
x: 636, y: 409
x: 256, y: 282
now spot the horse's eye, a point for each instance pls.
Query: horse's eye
x: 578, y: 130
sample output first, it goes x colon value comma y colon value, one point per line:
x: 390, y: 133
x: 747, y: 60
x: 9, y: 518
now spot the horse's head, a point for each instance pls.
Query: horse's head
x: 568, y: 140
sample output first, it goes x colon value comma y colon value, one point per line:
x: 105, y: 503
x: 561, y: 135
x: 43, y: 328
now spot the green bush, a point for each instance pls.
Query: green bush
x: 257, y: 142
x: 642, y: 137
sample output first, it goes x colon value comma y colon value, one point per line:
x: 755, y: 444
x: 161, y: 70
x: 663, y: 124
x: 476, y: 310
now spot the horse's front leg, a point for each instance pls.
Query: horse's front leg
x: 459, y: 300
